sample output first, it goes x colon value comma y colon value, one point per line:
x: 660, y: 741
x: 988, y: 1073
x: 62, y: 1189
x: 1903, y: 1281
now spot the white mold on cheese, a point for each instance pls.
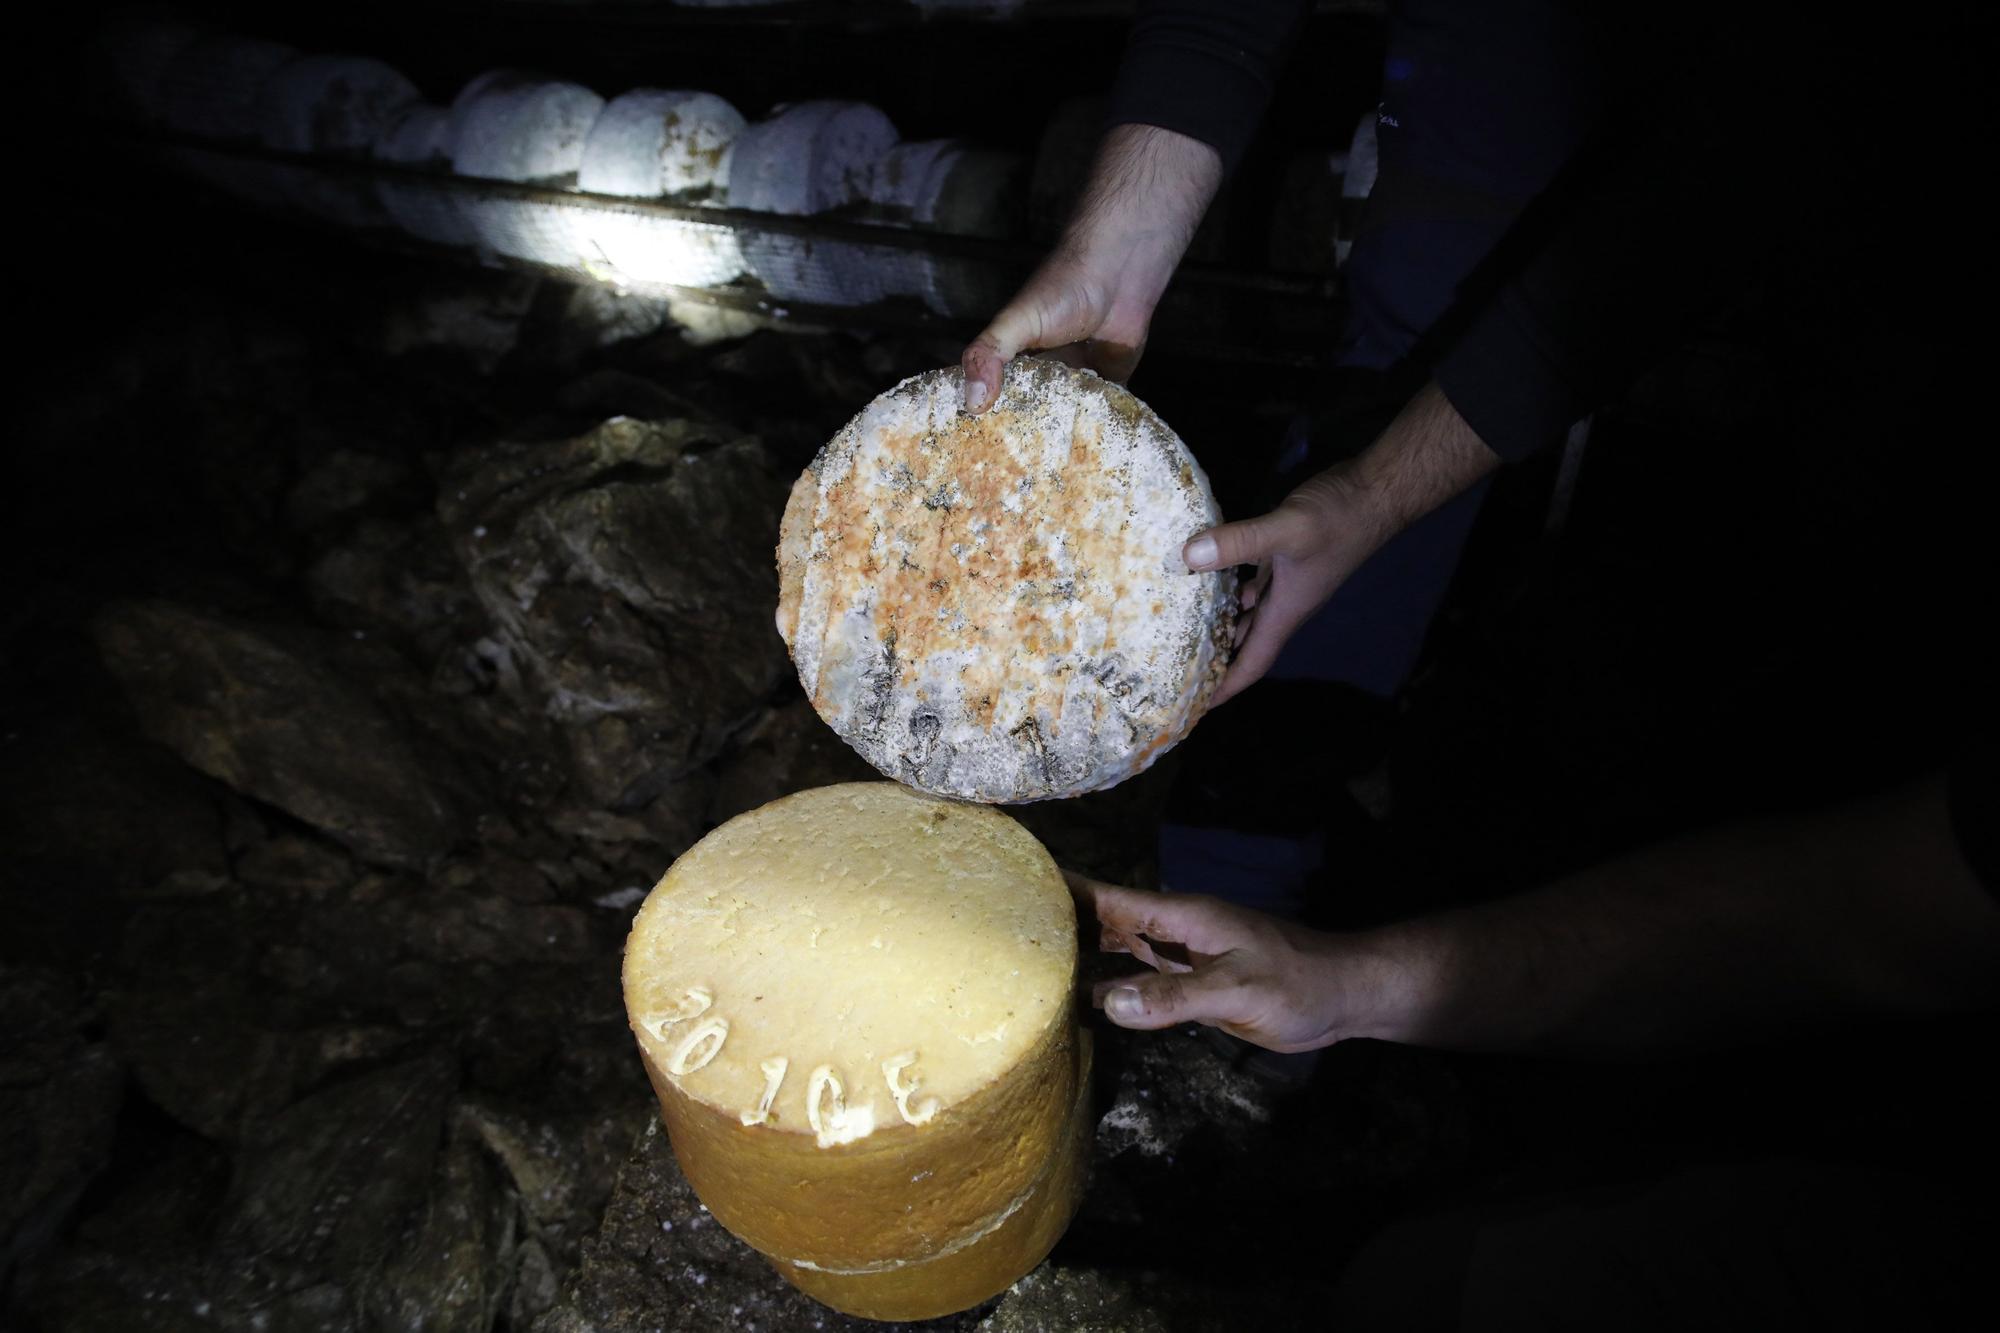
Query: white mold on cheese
x: 654, y: 144
x: 808, y: 158
x: 336, y: 106
x: 994, y: 607
x: 513, y: 126
x: 421, y: 137
x: 944, y: 185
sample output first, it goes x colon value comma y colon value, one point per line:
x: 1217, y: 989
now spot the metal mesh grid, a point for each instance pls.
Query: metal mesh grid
x: 850, y: 266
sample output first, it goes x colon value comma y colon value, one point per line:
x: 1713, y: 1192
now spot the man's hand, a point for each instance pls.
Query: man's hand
x: 1267, y: 981
x: 1865, y: 909
x: 1323, y: 531
x: 1092, y: 300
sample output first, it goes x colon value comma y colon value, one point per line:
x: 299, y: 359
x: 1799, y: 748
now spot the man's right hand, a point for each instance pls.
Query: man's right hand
x: 1091, y: 302
x: 1323, y: 531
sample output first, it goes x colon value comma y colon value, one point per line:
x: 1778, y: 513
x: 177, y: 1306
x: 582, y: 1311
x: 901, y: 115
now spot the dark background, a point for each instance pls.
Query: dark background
x: 1775, y: 587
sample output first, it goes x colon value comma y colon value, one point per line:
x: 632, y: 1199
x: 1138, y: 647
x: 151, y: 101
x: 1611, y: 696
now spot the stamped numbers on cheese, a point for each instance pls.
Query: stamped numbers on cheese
x: 774, y: 1075
x: 699, y: 1046
x: 832, y: 1121
x: 892, y: 1070
x: 694, y: 1003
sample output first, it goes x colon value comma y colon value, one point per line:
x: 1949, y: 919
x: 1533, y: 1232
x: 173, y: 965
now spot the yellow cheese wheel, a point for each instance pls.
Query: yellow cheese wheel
x: 994, y: 607
x: 856, y: 1005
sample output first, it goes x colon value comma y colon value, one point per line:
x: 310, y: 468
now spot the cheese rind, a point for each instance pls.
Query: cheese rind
x: 856, y: 1006
x: 989, y: 1261
x: 994, y: 607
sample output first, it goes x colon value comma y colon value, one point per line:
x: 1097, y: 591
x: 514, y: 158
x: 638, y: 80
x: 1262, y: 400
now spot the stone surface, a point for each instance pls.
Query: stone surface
x: 561, y: 1167
x: 59, y: 1096
x: 627, y: 573
x: 472, y: 317
x: 453, y: 1271
x: 1131, y: 1260
x: 660, y: 1261
x: 138, y: 1262
x: 276, y: 724
x: 329, y: 1196
x: 1076, y: 1301
x: 788, y: 749
x: 1173, y: 1088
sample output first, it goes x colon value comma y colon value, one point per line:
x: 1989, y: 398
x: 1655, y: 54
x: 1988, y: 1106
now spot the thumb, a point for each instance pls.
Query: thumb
x: 1209, y: 994
x: 1055, y: 307
x: 1023, y: 322
x: 1248, y: 541
x: 985, y: 359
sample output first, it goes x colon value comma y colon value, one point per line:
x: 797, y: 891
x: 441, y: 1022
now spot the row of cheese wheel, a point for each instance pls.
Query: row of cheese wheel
x: 684, y: 147
x: 680, y: 146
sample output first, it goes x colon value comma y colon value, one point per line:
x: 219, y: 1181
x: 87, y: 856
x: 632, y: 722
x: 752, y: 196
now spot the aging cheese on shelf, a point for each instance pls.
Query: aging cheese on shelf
x: 856, y: 1007
x: 994, y: 607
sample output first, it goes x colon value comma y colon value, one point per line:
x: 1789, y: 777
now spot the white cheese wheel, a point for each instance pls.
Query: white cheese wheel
x: 421, y: 137
x: 331, y: 104
x: 512, y: 126
x: 945, y: 185
x: 994, y: 607
x: 808, y: 158
x: 903, y: 187
x: 337, y: 106
x: 212, y: 90
x: 652, y: 144
x: 856, y: 1005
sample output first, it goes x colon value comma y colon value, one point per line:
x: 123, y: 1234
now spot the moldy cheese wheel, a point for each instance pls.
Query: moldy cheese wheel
x: 856, y: 1006
x: 994, y: 607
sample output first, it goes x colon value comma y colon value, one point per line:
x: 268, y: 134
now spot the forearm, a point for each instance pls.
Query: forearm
x: 1146, y: 195
x: 1205, y: 68
x: 1428, y: 455
x: 1863, y: 910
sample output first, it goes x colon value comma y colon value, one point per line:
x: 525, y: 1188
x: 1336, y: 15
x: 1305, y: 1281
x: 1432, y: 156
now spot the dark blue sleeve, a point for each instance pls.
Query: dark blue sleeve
x: 1671, y: 213
x: 1204, y: 68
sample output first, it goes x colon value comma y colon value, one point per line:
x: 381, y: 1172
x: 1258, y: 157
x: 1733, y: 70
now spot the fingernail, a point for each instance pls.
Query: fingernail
x: 975, y: 394
x: 1200, y: 553
x: 1124, y: 1003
